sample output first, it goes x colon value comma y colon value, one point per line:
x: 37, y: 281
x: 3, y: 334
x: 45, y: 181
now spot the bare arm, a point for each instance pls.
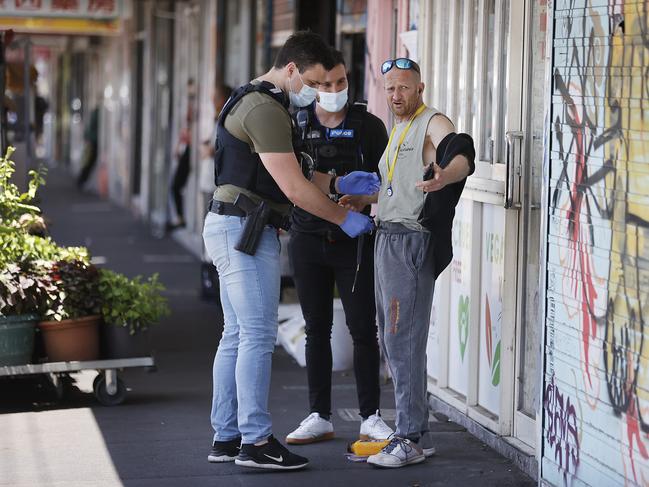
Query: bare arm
x: 285, y: 170
x: 321, y: 180
x: 438, y: 128
x: 358, y: 202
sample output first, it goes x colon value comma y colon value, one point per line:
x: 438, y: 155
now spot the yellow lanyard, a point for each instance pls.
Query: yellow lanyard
x: 396, y: 152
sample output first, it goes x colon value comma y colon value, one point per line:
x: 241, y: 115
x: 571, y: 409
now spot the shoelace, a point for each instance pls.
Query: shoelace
x: 392, y: 445
x: 405, y: 446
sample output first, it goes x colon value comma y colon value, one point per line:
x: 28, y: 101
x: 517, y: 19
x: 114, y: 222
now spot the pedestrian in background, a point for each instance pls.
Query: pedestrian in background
x: 90, y: 149
x: 182, y: 154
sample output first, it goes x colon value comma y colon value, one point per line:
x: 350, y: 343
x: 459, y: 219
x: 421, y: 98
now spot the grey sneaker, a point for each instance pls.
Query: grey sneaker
x: 398, y: 453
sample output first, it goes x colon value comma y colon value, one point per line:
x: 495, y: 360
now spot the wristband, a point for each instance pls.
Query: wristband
x: 332, y: 185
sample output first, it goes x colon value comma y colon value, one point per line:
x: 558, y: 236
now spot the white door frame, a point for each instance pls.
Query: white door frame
x: 489, y: 185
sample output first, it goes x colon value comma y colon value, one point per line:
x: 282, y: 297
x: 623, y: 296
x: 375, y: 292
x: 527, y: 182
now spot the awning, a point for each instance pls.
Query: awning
x: 95, y: 17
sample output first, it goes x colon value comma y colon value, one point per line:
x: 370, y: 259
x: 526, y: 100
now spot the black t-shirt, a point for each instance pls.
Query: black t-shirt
x: 373, y: 138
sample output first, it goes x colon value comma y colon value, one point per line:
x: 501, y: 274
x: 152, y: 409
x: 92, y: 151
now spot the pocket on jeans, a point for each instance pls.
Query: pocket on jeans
x: 221, y: 256
x: 216, y: 245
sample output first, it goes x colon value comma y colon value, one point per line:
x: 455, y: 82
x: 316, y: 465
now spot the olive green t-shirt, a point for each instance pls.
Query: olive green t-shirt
x: 263, y: 124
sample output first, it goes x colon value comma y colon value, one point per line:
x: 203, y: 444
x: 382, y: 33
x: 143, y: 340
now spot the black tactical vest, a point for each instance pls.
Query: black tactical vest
x: 336, y: 150
x: 234, y: 162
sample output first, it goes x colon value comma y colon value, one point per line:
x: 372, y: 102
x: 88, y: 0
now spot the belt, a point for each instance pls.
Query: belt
x: 275, y: 219
x: 223, y: 208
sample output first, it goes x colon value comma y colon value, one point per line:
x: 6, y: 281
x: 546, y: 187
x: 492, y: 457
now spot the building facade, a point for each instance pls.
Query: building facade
x: 537, y: 340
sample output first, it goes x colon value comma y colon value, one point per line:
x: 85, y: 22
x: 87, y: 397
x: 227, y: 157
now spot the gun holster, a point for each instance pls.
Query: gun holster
x: 257, y: 217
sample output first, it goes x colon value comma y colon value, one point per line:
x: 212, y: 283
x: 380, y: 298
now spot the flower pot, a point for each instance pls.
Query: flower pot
x: 117, y: 342
x: 17, y: 339
x: 69, y: 340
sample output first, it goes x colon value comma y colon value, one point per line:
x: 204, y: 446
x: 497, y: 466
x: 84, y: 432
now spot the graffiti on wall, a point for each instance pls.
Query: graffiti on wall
x: 561, y: 432
x: 598, y: 261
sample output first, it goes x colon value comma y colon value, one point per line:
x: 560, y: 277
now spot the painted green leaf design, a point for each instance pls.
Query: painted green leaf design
x: 495, y: 369
x: 463, y: 323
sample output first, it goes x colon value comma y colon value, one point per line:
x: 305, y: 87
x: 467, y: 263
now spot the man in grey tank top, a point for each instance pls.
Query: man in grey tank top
x: 404, y: 265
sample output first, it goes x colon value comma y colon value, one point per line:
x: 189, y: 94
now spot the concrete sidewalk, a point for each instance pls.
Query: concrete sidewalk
x: 161, y: 435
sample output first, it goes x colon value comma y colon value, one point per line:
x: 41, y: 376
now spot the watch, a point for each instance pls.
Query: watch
x: 332, y: 185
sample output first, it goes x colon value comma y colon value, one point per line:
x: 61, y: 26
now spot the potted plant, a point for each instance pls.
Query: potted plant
x: 72, y: 330
x: 129, y: 307
x: 23, y: 279
x: 22, y: 288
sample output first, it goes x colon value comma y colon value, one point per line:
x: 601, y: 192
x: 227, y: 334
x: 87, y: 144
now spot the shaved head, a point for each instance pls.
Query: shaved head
x: 403, y: 89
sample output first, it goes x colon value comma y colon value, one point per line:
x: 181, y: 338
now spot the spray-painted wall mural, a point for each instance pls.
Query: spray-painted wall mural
x: 596, y: 391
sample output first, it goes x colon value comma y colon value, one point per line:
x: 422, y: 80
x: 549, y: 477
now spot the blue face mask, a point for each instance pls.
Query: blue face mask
x: 304, y: 97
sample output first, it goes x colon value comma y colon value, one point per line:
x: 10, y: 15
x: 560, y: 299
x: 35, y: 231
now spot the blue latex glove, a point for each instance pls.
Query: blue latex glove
x: 358, y: 182
x: 357, y: 223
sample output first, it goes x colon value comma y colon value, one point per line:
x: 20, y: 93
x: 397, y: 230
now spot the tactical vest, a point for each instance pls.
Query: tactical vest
x: 234, y: 162
x: 336, y: 150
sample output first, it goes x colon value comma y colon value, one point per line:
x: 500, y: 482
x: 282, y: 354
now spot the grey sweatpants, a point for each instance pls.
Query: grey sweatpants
x: 404, y: 284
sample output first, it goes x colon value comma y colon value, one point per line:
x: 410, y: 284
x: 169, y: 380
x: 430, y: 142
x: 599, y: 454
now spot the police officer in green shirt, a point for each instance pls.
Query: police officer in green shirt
x: 257, y: 178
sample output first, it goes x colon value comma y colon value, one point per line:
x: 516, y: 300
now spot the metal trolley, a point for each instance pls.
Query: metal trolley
x: 109, y: 389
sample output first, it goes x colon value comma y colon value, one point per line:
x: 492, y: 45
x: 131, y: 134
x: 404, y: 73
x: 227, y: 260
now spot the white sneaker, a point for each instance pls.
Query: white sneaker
x: 398, y: 453
x: 313, y: 428
x: 374, y: 428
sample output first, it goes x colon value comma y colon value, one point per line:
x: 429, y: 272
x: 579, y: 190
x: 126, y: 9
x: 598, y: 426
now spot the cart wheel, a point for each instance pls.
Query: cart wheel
x: 106, y: 399
x: 96, y: 381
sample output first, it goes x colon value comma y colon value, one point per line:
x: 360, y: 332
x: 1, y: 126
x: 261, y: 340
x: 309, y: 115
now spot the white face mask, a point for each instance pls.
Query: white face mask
x: 305, y: 97
x: 332, y: 102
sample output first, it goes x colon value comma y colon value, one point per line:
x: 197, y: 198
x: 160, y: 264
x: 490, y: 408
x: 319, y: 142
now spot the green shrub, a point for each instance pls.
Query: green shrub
x: 16, y: 210
x: 39, y: 276
x: 134, y: 303
x: 18, y: 247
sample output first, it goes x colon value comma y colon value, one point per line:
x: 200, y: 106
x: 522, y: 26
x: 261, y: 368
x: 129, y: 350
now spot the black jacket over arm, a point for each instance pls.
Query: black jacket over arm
x: 439, y: 207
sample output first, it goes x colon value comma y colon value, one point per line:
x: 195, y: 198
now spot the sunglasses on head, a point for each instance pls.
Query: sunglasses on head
x: 401, y: 63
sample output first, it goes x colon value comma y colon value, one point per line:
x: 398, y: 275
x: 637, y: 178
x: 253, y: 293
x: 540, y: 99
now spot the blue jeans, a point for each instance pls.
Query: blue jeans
x: 250, y: 288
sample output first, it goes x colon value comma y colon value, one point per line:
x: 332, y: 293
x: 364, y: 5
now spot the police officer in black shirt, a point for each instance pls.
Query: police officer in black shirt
x: 336, y: 137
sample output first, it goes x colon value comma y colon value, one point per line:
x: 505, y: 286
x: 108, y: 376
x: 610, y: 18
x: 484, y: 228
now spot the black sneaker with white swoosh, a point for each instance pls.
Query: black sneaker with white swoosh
x: 271, y: 455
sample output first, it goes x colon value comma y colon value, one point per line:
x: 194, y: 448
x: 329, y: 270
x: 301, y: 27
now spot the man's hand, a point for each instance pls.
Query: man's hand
x: 356, y: 224
x: 356, y: 202
x: 437, y: 182
x: 358, y: 182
